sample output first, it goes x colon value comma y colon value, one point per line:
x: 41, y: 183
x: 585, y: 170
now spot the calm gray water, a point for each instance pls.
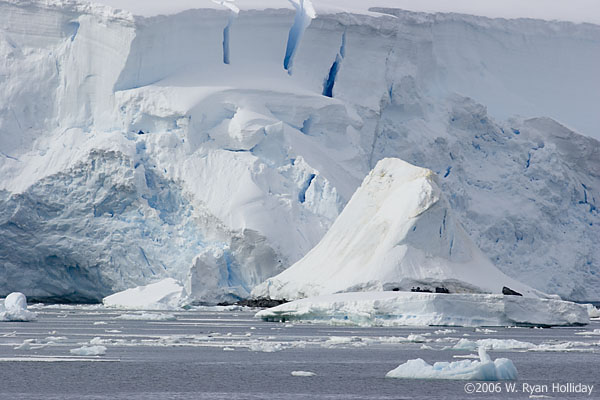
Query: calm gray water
x: 185, y: 358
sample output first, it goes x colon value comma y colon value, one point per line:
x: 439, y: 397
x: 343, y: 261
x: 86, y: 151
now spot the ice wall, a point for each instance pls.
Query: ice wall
x: 210, y: 150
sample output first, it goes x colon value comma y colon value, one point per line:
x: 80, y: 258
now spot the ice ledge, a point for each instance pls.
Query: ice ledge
x: 420, y: 309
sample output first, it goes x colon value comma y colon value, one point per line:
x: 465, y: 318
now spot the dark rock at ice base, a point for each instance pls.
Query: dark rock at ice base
x: 418, y: 289
x: 441, y: 290
x: 258, y: 303
x: 509, y: 292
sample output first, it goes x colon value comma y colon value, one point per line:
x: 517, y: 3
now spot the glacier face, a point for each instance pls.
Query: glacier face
x: 130, y: 152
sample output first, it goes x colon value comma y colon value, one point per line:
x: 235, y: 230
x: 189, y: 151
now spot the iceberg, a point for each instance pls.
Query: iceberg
x: 421, y: 309
x: 14, y: 308
x: 483, y: 369
x: 162, y: 295
x: 397, y: 231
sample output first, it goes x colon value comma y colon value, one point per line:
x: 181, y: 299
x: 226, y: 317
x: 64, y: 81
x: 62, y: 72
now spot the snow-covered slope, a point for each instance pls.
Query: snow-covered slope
x: 131, y: 151
x: 397, y: 231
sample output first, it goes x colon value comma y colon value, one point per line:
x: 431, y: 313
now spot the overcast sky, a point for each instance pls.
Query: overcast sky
x: 565, y: 10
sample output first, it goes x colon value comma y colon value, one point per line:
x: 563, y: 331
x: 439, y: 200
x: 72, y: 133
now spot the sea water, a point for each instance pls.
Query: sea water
x: 227, y: 354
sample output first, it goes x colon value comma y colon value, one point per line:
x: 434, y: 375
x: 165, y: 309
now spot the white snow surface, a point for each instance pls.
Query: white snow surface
x: 163, y: 295
x: 483, y: 369
x: 14, y: 308
x: 421, y: 309
x: 397, y: 231
x: 131, y: 152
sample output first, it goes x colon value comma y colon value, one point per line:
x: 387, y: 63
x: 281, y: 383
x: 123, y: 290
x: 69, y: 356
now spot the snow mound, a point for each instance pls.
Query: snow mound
x: 397, y: 231
x: 89, y: 351
x: 406, y: 308
x: 163, y: 295
x: 15, y: 309
x: 482, y: 370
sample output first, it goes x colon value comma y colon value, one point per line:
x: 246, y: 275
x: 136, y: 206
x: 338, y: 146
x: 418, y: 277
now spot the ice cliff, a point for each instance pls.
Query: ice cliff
x: 396, y: 232
x: 218, y: 150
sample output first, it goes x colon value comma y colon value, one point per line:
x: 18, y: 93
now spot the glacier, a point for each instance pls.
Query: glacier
x: 130, y: 152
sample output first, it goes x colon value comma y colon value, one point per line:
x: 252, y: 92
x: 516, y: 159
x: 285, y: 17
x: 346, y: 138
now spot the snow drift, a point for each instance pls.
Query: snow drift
x: 397, y: 231
x: 138, y: 146
x: 421, y: 309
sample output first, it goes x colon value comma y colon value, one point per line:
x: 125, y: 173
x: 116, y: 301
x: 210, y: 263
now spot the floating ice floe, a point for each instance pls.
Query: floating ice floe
x: 483, y: 369
x: 303, y: 373
x: 595, y: 332
x: 148, y: 316
x: 516, y: 345
x: 89, y: 351
x: 493, y: 344
x: 15, y: 309
x: 265, y: 347
x: 407, y: 308
x: 162, y: 295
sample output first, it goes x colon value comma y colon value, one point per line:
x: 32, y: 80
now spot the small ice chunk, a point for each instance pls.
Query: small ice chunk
x: 444, y: 331
x: 228, y: 349
x: 148, y: 317
x: 15, y: 308
x: 483, y: 369
x: 595, y: 332
x: 592, y: 310
x: 303, y: 373
x: 265, y: 347
x: 30, y: 344
x: 485, y: 330
x: 89, y: 351
x: 417, y: 338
